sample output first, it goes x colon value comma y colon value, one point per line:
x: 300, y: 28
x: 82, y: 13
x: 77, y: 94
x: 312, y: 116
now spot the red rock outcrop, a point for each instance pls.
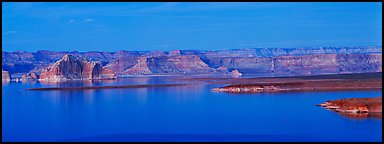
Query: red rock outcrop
x: 174, y: 53
x: 354, y: 105
x: 71, y: 68
x: 33, y: 75
x: 30, y: 76
x: 179, y: 64
x: 141, y: 68
x: 107, y: 73
x: 222, y: 69
x: 122, y: 64
x: 236, y: 73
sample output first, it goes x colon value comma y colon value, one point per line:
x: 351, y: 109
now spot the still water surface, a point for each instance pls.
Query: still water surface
x: 184, y: 113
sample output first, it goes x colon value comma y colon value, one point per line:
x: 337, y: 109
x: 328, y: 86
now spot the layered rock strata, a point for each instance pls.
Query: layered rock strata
x: 261, y: 61
x: 71, y: 68
x: 140, y: 68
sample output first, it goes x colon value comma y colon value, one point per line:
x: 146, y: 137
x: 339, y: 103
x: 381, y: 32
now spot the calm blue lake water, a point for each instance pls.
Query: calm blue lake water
x: 185, y: 113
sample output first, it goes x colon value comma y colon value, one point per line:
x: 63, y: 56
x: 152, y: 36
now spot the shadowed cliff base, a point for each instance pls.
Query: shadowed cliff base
x: 108, y: 87
x: 305, y: 83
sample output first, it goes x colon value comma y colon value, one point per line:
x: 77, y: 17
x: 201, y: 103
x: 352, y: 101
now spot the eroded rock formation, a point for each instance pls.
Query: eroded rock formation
x: 30, y: 76
x: 71, y: 68
x: 140, y: 68
x: 236, y: 73
x: 179, y: 64
x: 355, y: 105
x: 222, y: 69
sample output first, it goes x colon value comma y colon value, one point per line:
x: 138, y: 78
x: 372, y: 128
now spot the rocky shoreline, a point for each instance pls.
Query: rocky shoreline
x: 354, y: 105
x: 352, y: 108
x: 303, y: 85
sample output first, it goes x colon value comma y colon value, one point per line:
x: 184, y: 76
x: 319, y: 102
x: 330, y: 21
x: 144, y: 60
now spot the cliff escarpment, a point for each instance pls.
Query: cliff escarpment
x: 267, y: 61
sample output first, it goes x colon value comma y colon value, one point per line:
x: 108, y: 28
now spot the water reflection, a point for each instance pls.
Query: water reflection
x: 188, y: 93
x: 27, y: 82
x: 179, y: 109
x: 140, y: 80
x: 67, y: 83
x: 69, y: 97
x: 5, y: 82
x: 362, y: 115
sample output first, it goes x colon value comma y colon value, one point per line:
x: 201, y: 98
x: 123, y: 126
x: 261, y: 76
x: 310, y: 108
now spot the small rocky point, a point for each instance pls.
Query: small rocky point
x: 355, y: 105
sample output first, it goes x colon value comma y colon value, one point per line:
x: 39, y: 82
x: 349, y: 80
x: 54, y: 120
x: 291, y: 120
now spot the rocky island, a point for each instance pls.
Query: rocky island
x: 355, y: 105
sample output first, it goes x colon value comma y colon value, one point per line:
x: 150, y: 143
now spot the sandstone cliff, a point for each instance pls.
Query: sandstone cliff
x: 265, y: 61
x: 183, y: 64
x: 140, y: 68
x: 5, y: 76
x: 71, y: 68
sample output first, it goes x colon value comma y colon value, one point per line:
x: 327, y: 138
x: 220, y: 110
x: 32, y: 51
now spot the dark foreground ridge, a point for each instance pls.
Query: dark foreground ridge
x: 108, y: 87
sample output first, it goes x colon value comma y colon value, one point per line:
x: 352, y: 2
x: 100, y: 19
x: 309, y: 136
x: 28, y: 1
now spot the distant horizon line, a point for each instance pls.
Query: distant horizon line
x: 201, y: 50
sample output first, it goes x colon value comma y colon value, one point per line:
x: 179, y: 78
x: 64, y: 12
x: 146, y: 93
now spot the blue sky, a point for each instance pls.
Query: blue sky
x: 180, y: 25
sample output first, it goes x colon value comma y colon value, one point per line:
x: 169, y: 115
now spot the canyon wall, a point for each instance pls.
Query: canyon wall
x: 282, y: 61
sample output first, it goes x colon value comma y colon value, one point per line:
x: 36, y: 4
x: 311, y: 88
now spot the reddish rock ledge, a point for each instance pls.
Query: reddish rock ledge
x: 290, y: 85
x: 355, y: 105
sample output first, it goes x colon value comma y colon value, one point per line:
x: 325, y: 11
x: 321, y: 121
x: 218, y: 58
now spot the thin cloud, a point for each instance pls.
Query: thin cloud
x: 163, y: 45
x: 89, y: 20
x: 72, y: 21
x: 9, y: 32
